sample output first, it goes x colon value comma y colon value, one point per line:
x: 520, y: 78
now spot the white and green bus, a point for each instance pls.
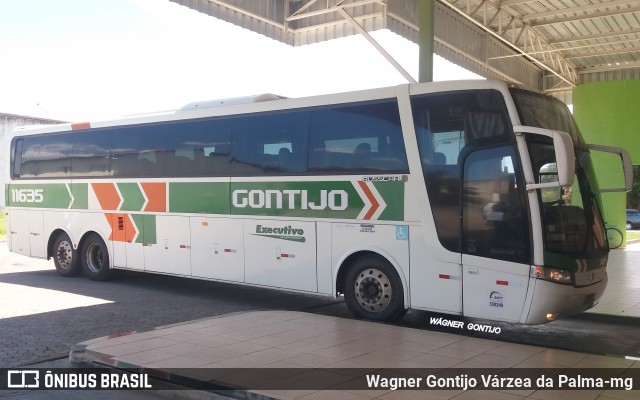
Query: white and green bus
x: 469, y: 198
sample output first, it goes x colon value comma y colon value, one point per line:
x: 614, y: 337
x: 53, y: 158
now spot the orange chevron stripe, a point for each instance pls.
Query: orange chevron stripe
x: 107, y: 195
x: 122, y: 228
x: 156, y: 192
x: 372, y: 199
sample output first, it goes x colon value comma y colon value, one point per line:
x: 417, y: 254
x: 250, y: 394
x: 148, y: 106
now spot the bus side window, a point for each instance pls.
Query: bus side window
x: 29, y: 159
x: 54, y: 157
x: 357, y: 139
x: 16, y: 158
x: 91, y: 153
x: 216, y: 159
x: 258, y: 140
x: 139, y: 151
x: 198, y: 148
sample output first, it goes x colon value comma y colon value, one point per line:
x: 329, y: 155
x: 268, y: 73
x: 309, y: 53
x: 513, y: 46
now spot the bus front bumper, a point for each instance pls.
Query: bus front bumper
x: 552, y: 300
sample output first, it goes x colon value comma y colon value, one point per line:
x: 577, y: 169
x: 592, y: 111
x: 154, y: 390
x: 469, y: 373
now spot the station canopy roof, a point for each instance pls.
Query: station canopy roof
x: 550, y: 45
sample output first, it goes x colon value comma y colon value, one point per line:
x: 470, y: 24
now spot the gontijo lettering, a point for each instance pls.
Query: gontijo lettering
x: 336, y: 200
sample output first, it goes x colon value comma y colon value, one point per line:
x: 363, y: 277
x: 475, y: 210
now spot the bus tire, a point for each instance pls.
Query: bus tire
x: 373, y: 290
x: 94, y: 257
x: 65, y: 258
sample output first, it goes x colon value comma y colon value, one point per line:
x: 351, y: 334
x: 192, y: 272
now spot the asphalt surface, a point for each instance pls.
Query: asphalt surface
x: 42, y: 314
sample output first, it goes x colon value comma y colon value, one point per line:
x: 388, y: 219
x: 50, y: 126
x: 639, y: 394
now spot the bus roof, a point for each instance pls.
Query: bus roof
x: 268, y: 102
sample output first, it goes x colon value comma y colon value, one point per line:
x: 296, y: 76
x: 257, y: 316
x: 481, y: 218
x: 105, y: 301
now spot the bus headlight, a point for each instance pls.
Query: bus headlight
x: 556, y: 275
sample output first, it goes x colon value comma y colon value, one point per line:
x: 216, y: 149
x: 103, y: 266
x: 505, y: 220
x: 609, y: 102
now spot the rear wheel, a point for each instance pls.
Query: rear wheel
x: 373, y: 290
x: 64, y: 256
x: 95, y: 259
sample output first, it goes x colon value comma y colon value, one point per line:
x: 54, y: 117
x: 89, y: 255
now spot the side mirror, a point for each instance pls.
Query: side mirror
x: 627, y: 167
x: 565, y: 155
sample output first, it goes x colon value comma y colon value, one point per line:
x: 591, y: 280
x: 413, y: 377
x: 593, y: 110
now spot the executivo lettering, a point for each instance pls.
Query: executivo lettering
x: 284, y: 233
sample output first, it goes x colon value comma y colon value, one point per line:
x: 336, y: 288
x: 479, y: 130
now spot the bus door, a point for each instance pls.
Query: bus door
x: 495, y: 235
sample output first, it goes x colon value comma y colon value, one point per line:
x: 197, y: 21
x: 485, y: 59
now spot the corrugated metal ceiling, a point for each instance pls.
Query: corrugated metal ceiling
x: 548, y: 44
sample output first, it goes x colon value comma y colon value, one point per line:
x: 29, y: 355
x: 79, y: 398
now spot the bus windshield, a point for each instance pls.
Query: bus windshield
x: 572, y: 221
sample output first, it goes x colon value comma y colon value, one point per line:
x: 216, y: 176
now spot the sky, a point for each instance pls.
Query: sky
x: 87, y: 60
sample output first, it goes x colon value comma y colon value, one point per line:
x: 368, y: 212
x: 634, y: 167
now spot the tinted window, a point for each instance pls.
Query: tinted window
x: 198, y: 148
x: 357, y: 139
x: 138, y: 151
x: 54, y: 156
x: 494, y: 212
x: 571, y: 219
x: 91, y: 153
x: 448, y: 126
x: 29, y: 158
x: 346, y: 139
x: 273, y: 143
x: 43, y: 156
x: 16, y: 157
x: 543, y: 111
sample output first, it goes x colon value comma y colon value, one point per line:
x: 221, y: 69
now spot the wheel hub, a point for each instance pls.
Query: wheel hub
x: 94, y: 257
x: 64, y: 255
x: 373, y: 290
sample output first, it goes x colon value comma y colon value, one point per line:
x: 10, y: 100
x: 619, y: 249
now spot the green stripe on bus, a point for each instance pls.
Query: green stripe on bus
x: 393, y: 195
x: 382, y: 200
x: 327, y: 199
x: 43, y: 195
x: 146, y: 226
x: 149, y: 229
x: 80, y: 193
x: 132, y: 198
x: 138, y: 221
x: 199, y: 197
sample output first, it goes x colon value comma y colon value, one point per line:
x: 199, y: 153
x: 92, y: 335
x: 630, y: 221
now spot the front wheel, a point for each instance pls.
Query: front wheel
x: 373, y: 290
x: 64, y: 257
x: 95, y: 259
x: 629, y: 226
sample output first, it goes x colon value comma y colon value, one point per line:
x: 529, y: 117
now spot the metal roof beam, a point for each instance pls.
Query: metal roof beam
x: 245, y: 12
x: 304, y: 7
x: 375, y: 44
x: 577, y: 9
x: 544, y: 57
x: 608, y: 67
x: 334, y: 8
x: 607, y: 13
x: 602, y: 35
x: 507, y: 3
x: 619, y: 50
x: 566, y: 49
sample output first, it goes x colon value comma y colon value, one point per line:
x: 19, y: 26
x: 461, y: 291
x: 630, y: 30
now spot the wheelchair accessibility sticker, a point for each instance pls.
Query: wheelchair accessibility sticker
x: 402, y: 233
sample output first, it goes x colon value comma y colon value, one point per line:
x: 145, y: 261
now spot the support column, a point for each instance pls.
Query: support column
x: 426, y: 11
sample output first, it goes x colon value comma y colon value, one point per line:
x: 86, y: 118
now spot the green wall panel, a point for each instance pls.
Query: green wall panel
x: 609, y: 113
